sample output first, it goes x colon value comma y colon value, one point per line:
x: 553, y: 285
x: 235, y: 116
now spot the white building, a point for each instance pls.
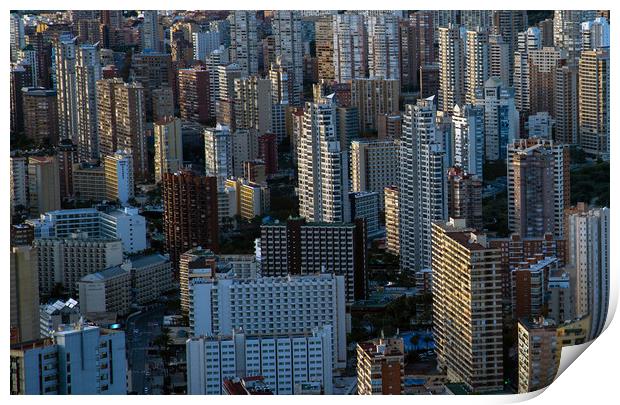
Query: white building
x: 374, y: 166
x: 589, y: 252
x: 350, y: 54
x: 283, y: 360
x: 383, y: 46
x: 244, y: 41
x: 595, y: 34
x: 286, y: 26
x: 468, y: 130
x: 66, y: 92
x: 501, y: 118
x: 119, y: 176
x: 204, y: 43
x: 423, y: 188
x: 79, y: 360
x: 451, y: 68
x: 108, y: 290
x: 540, y: 125
x: 66, y: 260
x: 18, y: 39
x: 125, y: 224
x: 477, y: 61
x: 149, y: 31
x: 270, y: 306
x: 218, y: 154
x: 323, y: 184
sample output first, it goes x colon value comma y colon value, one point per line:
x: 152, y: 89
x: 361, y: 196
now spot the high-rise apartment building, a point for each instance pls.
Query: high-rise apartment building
x: 589, y: 252
x: 168, y: 146
x: 595, y: 34
x: 65, y: 82
x: 350, y: 47
x: 65, y: 261
x: 542, y: 66
x: 323, y: 183
x: 324, y: 37
x: 383, y: 46
x: 286, y: 27
x: 422, y: 184
x: 374, y: 166
x: 43, y: 184
x: 566, y: 104
x: 150, y: 32
x: 40, y: 114
x: 508, y: 24
x: 467, y: 316
x: 221, y: 305
x: 374, y: 97
x: 501, y: 118
x: 286, y: 362
x: 152, y: 70
x: 87, y: 72
x: 244, y: 41
x: 469, y: 138
x: 451, y: 68
x: 194, y: 95
x: 594, y: 102
x: 119, y: 176
x: 465, y: 197
x: 79, y: 359
x: 539, y: 354
x: 24, y: 279
x: 528, y: 41
x: 567, y: 30
x: 218, y: 154
x: 252, y: 104
x: 19, y: 182
x: 204, y: 43
x: 381, y: 367
x: 477, y: 62
x: 538, y: 187
x: 190, y: 213
x: 392, y: 220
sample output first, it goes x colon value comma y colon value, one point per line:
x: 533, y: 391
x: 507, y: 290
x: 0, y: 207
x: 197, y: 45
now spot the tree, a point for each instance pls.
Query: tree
x: 415, y: 339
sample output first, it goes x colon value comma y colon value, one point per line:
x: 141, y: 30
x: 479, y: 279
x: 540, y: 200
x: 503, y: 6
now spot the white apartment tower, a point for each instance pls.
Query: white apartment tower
x: 350, y: 47
x: 588, y: 238
x: 468, y: 142
x: 149, y: 31
x: 218, y: 154
x: 383, y: 46
x: 244, y: 41
x: 422, y: 189
x: 501, y: 118
x: 66, y: 89
x: 286, y: 26
x: 323, y: 184
x: 477, y: 62
x: 374, y: 166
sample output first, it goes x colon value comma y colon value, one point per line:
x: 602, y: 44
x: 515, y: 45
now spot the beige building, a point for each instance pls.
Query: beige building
x: 151, y: 276
x: 374, y: 97
x: 43, y: 184
x: 168, y: 146
x: 89, y: 182
x: 467, y: 306
x: 252, y: 103
x: 65, y: 261
x: 106, y: 291
x: 252, y: 199
x: 539, y: 354
x: 163, y: 103
x: 594, y: 102
x: 374, y: 166
x: 381, y: 367
x: 24, y: 280
x: 392, y: 220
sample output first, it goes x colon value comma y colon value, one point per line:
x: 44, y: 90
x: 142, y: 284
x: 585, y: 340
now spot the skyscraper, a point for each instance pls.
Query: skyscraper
x: 87, y: 72
x: 168, y: 147
x: 194, y: 95
x: 40, y: 114
x: 286, y: 26
x: 65, y: 58
x: 501, y: 118
x: 130, y: 123
x: 508, y: 24
x: 594, y: 102
x: 469, y: 138
x: 190, y: 213
x: 383, y: 47
x: 323, y: 166
x: 422, y: 188
x: 477, y: 62
x: 150, y: 36
x: 467, y: 316
x: 350, y: 44
x: 538, y: 187
x: 43, y: 184
x: 24, y: 278
x: 324, y: 37
x: 244, y: 41
x: 451, y: 68
x: 465, y: 197
x: 218, y: 154
x: 119, y: 176
x: 373, y: 97
x: 374, y: 166
x: 589, y: 253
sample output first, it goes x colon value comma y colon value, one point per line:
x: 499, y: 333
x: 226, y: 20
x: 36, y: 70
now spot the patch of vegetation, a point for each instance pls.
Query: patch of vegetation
x: 495, y: 213
x: 590, y: 184
x: 494, y: 169
x: 536, y: 16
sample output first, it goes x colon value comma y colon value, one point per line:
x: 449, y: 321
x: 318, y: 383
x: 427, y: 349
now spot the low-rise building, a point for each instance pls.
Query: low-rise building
x: 381, y: 367
x: 106, y: 291
x: 58, y: 313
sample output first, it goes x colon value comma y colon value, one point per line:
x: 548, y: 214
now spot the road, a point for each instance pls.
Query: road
x: 141, y: 330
